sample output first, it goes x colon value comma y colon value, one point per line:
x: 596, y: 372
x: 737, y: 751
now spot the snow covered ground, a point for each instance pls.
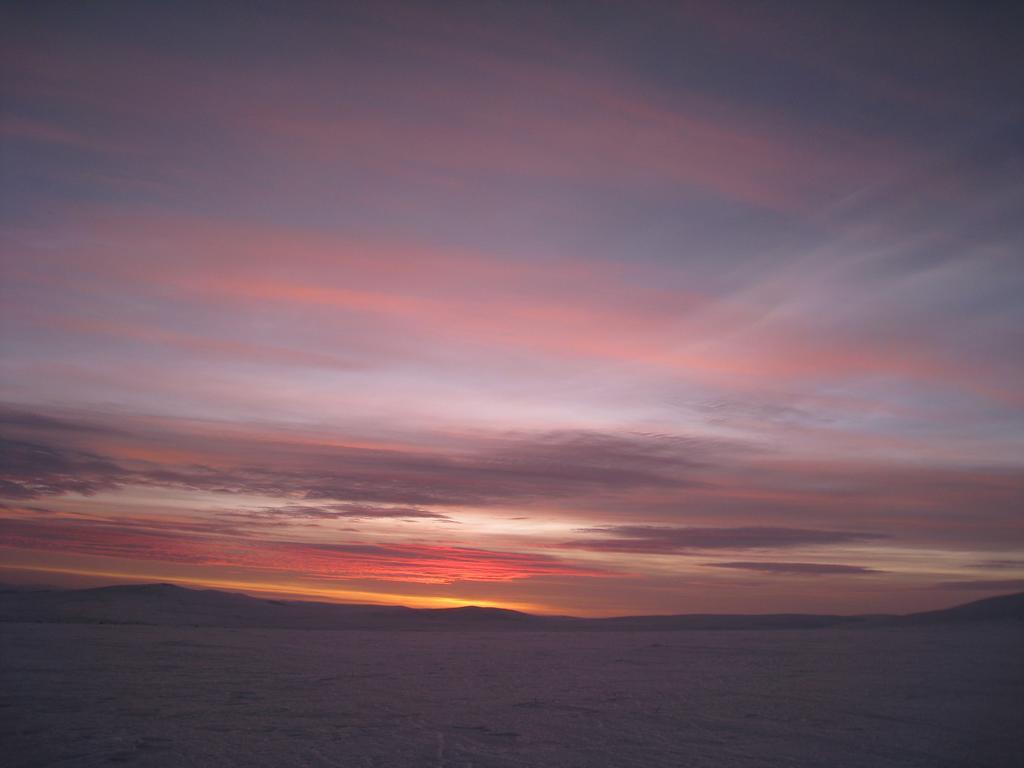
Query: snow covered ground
x: 91, y: 695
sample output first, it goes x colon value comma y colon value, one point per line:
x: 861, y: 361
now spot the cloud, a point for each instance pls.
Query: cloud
x: 15, y: 418
x: 420, y: 563
x: 342, y: 511
x: 998, y: 565
x: 730, y: 494
x: 496, y: 469
x: 797, y: 569
x: 651, y: 539
x: 32, y: 470
x: 751, y: 412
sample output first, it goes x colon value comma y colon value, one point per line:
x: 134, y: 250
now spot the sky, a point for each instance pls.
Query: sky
x: 590, y: 308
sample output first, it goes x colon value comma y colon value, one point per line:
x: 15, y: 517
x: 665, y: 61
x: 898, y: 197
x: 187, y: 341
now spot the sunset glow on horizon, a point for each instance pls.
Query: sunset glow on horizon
x: 557, y: 307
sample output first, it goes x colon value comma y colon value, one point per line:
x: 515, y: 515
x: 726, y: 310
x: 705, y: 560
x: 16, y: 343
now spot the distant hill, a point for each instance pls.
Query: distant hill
x: 170, y: 605
x: 1001, y: 608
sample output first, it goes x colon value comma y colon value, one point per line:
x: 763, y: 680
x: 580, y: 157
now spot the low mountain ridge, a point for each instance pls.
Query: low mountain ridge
x: 172, y: 605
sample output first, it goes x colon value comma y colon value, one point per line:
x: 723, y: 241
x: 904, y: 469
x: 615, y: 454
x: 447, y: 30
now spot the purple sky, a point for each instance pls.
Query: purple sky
x: 577, y: 307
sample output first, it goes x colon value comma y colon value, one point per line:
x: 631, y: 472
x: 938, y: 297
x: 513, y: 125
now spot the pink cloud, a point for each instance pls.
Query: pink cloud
x: 413, y: 563
x: 395, y: 293
x: 569, y: 118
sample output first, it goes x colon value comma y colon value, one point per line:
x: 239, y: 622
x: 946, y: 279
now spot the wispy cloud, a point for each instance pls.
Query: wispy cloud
x: 797, y: 569
x: 498, y: 469
x: 32, y: 470
x: 341, y: 512
x: 416, y: 563
x: 998, y: 564
x: 650, y: 539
